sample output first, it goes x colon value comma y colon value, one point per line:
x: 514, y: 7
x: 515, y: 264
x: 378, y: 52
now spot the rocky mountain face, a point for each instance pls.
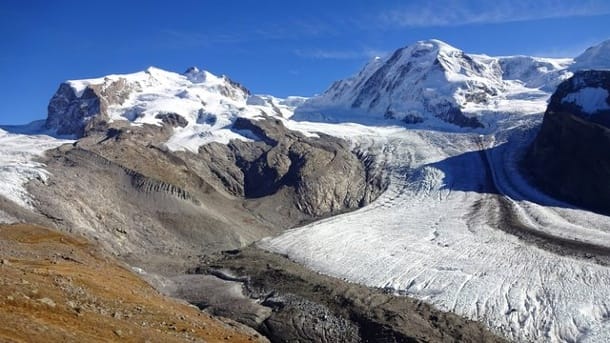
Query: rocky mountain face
x: 195, y: 103
x: 172, y: 166
x: 70, y: 114
x: 431, y: 79
x: 569, y: 157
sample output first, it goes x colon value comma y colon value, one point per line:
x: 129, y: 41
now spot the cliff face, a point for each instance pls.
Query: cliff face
x: 569, y: 158
x: 71, y: 112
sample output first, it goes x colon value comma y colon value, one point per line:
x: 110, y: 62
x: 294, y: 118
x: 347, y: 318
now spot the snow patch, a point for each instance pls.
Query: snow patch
x: 17, y: 165
x: 589, y: 99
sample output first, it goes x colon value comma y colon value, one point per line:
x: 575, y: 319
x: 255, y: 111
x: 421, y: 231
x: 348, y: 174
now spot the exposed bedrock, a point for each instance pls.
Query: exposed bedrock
x: 159, y: 209
x: 569, y: 158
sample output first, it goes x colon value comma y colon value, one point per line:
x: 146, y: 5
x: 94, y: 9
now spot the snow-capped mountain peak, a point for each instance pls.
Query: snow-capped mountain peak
x: 594, y: 58
x: 431, y: 80
x: 195, y: 75
x: 200, y: 105
x: 431, y: 47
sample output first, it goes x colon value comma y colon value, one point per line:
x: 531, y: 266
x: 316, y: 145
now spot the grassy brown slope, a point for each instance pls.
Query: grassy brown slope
x: 57, y: 288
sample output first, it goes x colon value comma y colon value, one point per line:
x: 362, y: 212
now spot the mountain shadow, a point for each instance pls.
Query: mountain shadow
x: 484, y: 171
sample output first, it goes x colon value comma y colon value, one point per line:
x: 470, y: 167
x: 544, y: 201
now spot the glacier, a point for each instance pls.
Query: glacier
x: 436, y: 234
x: 18, y: 162
x: 459, y: 226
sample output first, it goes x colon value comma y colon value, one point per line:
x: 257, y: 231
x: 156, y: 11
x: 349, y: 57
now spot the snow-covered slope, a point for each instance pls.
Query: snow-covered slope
x: 594, y: 58
x: 590, y: 100
x: 535, y: 72
x: 17, y: 163
x: 431, y: 79
x: 201, y: 106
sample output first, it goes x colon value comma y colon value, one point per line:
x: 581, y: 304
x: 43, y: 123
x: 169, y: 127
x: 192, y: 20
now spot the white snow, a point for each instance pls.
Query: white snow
x: 417, y: 80
x: 535, y: 72
x: 589, y: 99
x: 209, y: 103
x: 596, y: 57
x: 17, y: 165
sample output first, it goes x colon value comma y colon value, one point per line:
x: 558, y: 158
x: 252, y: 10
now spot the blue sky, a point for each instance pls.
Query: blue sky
x: 273, y: 47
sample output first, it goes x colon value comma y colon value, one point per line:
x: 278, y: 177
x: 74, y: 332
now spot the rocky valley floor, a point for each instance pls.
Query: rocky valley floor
x: 310, y: 307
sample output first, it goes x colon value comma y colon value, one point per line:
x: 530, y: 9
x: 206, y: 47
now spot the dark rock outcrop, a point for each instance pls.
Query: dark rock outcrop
x: 316, y: 176
x: 596, y: 80
x: 569, y: 158
x: 450, y: 113
x: 172, y: 119
x: 310, y: 307
x: 297, y: 319
x: 70, y: 113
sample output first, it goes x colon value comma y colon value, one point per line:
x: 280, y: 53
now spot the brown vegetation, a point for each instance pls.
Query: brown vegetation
x: 57, y: 288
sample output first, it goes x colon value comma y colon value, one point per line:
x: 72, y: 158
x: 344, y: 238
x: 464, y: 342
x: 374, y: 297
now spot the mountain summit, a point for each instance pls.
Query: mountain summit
x: 594, y: 58
x: 200, y: 106
x: 433, y: 80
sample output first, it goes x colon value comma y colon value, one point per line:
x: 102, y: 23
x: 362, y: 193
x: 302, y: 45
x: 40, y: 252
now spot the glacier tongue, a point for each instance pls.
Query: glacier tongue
x: 18, y: 165
x: 442, y: 233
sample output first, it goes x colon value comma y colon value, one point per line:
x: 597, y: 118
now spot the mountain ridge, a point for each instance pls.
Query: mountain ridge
x: 428, y: 82
x: 200, y: 106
